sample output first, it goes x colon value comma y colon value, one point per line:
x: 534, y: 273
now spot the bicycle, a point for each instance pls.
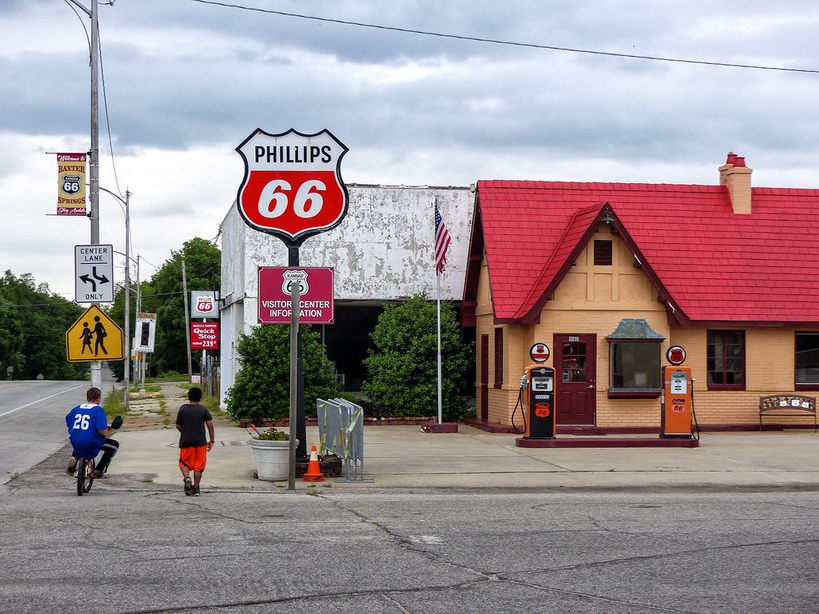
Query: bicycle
x: 85, y: 475
x: 87, y: 466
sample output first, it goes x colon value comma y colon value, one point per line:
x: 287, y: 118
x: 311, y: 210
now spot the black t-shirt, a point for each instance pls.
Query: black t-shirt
x: 191, y: 418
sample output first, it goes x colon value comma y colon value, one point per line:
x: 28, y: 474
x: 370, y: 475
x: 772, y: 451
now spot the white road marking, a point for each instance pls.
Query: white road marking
x: 51, y: 396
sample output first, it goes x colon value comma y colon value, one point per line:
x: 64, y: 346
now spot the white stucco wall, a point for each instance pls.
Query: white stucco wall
x: 383, y: 250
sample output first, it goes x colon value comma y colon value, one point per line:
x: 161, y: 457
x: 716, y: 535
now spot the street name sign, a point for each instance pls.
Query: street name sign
x: 94, y: 273
x: 315, y: 294
x: 94, y: 336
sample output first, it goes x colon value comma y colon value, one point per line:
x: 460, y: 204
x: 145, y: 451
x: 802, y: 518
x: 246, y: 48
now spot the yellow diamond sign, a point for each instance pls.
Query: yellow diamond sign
x: 94, y: 336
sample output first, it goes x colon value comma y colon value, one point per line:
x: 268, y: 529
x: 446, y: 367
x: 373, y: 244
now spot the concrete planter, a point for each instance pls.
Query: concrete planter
x: 272, y: 459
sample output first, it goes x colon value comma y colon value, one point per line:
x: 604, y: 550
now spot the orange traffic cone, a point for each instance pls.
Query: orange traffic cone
x: 314, y: 473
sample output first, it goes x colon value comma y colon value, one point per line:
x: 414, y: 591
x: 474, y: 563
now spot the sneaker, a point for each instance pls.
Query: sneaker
x: 72, y: 466
x: 188, y: 487
x: 195, y: 491
x: 97, y: 474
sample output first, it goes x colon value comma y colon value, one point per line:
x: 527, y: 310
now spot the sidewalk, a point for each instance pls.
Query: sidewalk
x: 404, y: 457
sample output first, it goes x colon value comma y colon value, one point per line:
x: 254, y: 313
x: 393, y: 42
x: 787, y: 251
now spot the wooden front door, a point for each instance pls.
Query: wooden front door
x: 575, y: 378
x: 484, y: 408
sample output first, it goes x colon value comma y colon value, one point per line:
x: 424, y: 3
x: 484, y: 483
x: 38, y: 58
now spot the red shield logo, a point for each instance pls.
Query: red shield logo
x: 204, y: 304
x: 292, y: 186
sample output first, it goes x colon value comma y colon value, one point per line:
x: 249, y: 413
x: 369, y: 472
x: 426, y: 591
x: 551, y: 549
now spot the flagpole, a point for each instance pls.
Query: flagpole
x: 442, y: 241
x: 438, y: 297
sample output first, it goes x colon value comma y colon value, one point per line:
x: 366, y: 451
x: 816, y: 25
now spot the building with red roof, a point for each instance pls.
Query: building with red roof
x: 728, y: 271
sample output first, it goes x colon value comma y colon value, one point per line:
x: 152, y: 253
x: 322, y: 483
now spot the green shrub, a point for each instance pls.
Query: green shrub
x: 402, y: 370
x: 262, y: 385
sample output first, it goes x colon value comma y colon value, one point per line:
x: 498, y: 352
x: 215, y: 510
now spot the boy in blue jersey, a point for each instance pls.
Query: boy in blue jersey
x: 88, y: 431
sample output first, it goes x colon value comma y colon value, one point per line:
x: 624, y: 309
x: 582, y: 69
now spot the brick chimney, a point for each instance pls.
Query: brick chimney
x: 737, y: 178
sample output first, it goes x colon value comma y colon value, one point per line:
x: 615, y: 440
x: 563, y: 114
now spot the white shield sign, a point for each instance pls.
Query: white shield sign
x: 292, y: 186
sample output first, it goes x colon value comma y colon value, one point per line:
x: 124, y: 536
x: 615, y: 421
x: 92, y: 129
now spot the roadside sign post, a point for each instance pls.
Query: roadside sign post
x: 204, y: 305
x: 94, y: 337
x: 292, y: 189
x: 94, y: 273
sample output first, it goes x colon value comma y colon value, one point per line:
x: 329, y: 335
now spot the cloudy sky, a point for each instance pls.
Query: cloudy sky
x: 185, y: 81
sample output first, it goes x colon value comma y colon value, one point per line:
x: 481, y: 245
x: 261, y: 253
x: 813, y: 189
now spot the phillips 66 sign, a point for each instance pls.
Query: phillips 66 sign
x: 292, y: 186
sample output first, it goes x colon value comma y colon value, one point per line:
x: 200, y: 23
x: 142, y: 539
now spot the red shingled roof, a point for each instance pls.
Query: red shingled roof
x: 709, y: 264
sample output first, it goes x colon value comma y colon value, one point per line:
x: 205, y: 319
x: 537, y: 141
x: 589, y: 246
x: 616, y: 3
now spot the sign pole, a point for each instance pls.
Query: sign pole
x: 296, y: 425
x: 203, y: 368
x: 301, y: 426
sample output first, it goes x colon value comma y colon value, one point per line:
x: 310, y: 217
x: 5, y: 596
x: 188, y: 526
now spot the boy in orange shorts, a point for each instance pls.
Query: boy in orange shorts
x: 191, y: 421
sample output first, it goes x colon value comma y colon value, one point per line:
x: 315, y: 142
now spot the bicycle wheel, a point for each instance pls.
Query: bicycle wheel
x: 81, y: 474
x: 90, y: 466
x: 85, y: 475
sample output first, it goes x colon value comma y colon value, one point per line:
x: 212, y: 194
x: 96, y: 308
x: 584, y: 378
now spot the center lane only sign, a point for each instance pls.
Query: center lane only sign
x: 315, y: 289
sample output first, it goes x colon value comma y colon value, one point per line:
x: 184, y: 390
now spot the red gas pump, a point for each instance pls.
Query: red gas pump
x: 678, y: 397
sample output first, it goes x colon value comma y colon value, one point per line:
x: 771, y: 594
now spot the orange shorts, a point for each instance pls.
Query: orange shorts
x: 193, y: 458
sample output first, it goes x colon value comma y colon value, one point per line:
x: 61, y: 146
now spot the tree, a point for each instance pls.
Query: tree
x: 33, y: 323
x: 163, y: 296
x: 262, y: 385
x: 402, y: 369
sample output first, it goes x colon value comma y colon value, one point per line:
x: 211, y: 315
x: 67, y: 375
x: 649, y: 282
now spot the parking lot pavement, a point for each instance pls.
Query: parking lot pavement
x: 405, y: 457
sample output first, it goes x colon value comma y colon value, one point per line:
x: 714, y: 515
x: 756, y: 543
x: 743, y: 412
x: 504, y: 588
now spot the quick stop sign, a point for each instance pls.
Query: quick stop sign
x: 204, y: 335
x: 292, y: 186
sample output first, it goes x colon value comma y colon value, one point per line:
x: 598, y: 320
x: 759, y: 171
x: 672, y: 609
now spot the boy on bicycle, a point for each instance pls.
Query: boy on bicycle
x: 88, y: 431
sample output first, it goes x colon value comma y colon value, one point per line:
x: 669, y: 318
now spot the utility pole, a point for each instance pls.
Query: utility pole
x: 138, y: 368
x: 126, y: 366
x: 93, y: 157
x: 187, y: 319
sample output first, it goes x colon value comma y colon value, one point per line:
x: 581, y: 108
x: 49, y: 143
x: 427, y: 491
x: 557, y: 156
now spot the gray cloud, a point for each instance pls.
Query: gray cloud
x: 183, y: 78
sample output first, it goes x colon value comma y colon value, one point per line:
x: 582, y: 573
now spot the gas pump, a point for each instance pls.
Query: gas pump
x: 538, y: 402
x: 537, y: 396
x: 678, y: 397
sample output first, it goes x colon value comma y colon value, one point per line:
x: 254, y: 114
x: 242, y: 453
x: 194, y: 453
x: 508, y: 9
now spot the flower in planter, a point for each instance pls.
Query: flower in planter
x: 270, y: 435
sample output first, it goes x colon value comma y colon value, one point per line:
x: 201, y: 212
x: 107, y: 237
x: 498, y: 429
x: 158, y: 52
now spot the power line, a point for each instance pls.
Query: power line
x: 494, y: 41
x: 108, y: 119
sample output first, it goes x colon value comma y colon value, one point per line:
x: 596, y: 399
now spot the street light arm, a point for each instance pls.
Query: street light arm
x: 127, y: 362
x: 117, y: 196
x: 81, y: 7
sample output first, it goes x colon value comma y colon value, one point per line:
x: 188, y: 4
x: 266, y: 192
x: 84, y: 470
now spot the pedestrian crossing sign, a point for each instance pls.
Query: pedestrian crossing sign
x: 94, y: 336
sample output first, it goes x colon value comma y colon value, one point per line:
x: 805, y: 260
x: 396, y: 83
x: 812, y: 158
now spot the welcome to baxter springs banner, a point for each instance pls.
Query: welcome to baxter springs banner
x: 71, y: 184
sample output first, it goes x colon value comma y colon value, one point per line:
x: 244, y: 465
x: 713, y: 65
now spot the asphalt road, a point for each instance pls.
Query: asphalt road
x: 419, y: 552
x: 146, y: 549
x: 32, y: 422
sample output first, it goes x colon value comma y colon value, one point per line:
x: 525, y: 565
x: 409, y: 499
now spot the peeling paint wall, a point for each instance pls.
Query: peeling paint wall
x: 383, y: 250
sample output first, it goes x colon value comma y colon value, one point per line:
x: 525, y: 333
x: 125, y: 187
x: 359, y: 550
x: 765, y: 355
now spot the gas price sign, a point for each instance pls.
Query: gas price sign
x: 204, y: 335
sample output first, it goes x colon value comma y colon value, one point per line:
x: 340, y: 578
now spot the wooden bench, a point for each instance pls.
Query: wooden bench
x: 787, y: 405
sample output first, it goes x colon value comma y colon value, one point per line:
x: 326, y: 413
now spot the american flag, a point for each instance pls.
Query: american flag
x: 442, y: 241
